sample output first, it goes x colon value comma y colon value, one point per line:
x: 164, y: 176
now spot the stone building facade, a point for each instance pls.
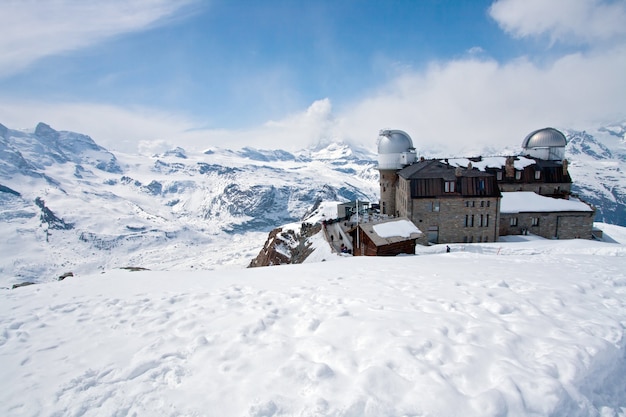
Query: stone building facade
x: 449, y: 204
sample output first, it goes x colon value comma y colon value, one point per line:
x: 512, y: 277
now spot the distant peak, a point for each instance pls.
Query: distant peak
x: 45, y: 131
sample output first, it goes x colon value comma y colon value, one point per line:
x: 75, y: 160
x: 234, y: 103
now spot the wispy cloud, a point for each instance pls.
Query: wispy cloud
x: 33, y: 29
x: 567, y: 21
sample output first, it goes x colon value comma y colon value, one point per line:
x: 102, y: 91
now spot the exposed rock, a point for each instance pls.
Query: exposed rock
x: 65, y: 275
x: 286, y: 247
x: 134, y: 268
x: 47, y: 216
x: 22, y: 284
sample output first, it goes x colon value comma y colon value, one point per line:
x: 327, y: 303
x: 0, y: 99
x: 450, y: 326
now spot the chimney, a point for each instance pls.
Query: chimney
x: 509, y: 167
x: 565, y: 163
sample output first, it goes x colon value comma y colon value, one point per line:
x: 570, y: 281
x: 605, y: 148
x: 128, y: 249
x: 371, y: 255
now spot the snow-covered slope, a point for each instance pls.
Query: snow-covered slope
x: 598, y: 169
x: 172, y: 211
x: 530, y: 327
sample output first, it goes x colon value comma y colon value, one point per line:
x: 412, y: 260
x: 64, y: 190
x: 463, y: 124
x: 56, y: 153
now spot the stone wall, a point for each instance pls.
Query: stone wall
x: 563, y: 225
x: 449, y: 219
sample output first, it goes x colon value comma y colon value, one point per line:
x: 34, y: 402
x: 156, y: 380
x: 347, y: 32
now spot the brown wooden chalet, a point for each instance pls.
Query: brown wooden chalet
x: 367, y: 241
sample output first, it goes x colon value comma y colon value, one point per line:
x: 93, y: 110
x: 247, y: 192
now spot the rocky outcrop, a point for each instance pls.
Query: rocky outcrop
x: 286, y: 246
x: 47, y: 216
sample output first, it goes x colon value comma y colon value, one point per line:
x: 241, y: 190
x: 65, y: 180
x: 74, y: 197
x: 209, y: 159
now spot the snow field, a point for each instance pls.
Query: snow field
x: 459, y: 334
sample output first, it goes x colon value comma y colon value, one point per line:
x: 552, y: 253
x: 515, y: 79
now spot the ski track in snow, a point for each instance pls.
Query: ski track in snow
x: 442, y: 335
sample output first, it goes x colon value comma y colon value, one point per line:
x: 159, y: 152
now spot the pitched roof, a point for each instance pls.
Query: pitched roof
x: 391, y: 231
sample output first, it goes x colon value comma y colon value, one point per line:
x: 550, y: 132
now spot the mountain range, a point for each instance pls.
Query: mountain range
x: 68, y: 204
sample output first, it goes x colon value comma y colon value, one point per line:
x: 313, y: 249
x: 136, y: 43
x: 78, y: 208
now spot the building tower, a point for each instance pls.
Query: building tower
x: 395, y: 151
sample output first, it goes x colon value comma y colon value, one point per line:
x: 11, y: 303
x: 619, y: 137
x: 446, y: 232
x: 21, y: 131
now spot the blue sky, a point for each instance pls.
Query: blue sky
x: 152, y: 74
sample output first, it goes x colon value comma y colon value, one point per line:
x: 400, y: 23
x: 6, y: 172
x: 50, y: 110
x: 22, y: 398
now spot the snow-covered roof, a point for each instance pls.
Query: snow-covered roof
x: 528, y: 201
x: 391, y: 231
x: 401, y: 227
x: 520, y: 162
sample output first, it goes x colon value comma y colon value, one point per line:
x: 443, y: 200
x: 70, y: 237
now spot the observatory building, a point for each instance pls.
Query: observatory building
x: 456, y: 200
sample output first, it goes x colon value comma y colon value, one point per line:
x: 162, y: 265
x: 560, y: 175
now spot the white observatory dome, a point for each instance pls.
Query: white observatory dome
x: 395, y: 149
x: 546, y: 143
x: 394, y: 141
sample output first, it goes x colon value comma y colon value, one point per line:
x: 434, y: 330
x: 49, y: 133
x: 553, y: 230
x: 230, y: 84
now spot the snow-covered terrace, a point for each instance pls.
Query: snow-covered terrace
x: 527, y: 201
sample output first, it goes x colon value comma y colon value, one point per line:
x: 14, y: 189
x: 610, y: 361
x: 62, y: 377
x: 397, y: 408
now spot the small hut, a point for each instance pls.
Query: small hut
x: 387, y: 238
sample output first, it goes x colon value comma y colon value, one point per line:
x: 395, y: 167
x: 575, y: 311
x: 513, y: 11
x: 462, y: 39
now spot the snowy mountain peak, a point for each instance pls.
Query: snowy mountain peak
x: 44, y: 131
x: 30, y: 153
x: 582, y: 143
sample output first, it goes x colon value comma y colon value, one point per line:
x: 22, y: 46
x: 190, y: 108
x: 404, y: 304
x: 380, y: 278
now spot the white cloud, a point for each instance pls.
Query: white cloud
x: 114, y: 127
x: 149, y: 130
x: 567, y: 21
x: 457, y: 106
x: 34, y: 29
x: 466, y: 103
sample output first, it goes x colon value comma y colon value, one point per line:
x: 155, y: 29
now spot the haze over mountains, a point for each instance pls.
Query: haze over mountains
x: 68, y: 204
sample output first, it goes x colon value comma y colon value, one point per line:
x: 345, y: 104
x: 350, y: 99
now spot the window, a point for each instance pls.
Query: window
x: 537, y: 175
x: 535, y: 221
x: 433, y: 234
x: 518, y: 175
x: 469, y: 220
x: 480, y: 221
x: 472, y: 220
x: 513, y: 221
x: 449, y: 187
x: 482, y: 204
x: 434, y: 206
x: 488, y: 203
x: 499, y: 175
x: 486, y: 223
x: 481, y: 185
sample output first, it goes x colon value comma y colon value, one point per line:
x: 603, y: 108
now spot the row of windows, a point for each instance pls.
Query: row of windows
x: 435, y: 205
x: 479, y: 239
x: 473, y: 203
x: 518, y: 175
x: 534, y: 221
x: 480, y: 220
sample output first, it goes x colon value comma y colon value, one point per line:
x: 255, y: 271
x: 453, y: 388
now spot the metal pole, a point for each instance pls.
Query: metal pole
x: 357, y: 225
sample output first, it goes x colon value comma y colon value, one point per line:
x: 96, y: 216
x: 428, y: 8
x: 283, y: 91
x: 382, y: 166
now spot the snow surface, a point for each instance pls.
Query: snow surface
x: 528, y: 201
x: 531, y: 327
x: 402, y: 227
